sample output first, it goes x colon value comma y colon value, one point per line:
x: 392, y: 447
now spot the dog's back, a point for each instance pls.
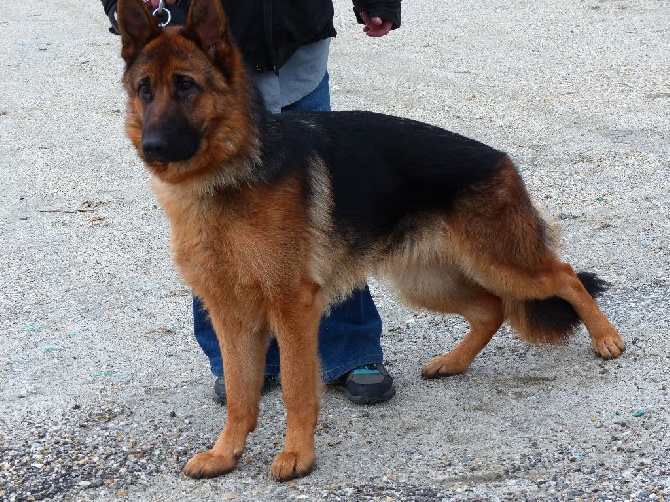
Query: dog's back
x: 383, y: 168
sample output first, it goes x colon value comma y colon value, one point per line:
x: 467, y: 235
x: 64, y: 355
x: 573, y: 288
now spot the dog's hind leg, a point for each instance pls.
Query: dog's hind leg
x: 243, y: 345
x: 563, y: 299
x: 501, y: 240
x: 449, y: 292
x: 574, y: 289
x: 484, y: 313
x: 295, y: 320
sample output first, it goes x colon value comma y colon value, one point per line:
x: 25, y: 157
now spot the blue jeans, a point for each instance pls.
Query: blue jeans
x: 349, y: 337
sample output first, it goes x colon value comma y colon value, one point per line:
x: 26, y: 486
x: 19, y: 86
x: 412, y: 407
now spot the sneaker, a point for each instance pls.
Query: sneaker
x: 368, y: 384
x: 219, y: 394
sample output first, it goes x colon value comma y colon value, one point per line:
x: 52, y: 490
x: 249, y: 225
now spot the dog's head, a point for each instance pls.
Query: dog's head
x: 188, y: 106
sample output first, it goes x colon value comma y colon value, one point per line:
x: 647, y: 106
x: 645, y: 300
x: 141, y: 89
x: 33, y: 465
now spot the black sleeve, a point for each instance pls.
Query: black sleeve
x: 388, y: 10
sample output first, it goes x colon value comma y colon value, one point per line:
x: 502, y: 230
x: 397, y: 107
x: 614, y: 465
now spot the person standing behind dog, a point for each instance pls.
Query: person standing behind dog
x: 286, y: 46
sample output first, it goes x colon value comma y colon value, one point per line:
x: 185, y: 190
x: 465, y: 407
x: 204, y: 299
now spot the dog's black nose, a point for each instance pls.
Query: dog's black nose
x: 155, y: 147
x: 170, y: 139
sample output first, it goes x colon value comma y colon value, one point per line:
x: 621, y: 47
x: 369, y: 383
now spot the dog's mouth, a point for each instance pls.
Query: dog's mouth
x: 158, y: 166
x: 166, y: 157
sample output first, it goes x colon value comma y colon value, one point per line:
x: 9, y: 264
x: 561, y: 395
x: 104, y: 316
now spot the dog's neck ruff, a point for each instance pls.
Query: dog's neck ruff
x: 234, y: 174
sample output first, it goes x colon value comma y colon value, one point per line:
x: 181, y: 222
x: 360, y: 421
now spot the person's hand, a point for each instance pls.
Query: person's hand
x: 374, y: 26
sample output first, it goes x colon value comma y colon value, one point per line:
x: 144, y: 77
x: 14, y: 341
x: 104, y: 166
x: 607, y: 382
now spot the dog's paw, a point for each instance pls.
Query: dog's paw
x: 609, y: 347
x: 444, y: 366
x: 209, y: 465
x: 290, y: 465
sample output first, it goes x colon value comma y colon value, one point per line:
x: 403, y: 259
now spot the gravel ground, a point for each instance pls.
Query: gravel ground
x: 104, y: 393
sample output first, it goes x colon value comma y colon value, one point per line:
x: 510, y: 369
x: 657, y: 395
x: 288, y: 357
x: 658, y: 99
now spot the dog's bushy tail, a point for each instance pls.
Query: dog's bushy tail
x: 553, y: 320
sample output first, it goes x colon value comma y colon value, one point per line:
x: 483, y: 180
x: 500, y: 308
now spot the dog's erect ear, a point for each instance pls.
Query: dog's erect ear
x: 207, y: 21
x: 137, y: 27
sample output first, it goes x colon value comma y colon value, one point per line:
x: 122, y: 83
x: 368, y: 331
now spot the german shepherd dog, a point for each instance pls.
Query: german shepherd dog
x: 275, y: 217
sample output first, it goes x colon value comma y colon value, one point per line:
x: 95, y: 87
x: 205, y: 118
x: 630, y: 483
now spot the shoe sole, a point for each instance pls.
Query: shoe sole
x: 372, y: 399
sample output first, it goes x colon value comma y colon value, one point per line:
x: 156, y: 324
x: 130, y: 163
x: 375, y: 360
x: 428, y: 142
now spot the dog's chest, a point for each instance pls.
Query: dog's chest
x: 238, y: 242
x: 217, y: 244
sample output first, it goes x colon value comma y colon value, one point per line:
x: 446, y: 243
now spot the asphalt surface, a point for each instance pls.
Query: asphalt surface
x: 104, y: 393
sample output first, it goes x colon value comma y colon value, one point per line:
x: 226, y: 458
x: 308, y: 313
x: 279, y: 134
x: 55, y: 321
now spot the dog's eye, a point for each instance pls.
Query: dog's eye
x: 144, y: 89
x: 186, y: 84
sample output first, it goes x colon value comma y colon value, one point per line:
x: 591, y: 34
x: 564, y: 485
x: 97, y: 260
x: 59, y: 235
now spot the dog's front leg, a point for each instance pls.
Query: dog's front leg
x: 243, y: 345
x: 296, y: 324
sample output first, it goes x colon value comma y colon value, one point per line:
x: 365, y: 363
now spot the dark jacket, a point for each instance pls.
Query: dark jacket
x: 268, y: 32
